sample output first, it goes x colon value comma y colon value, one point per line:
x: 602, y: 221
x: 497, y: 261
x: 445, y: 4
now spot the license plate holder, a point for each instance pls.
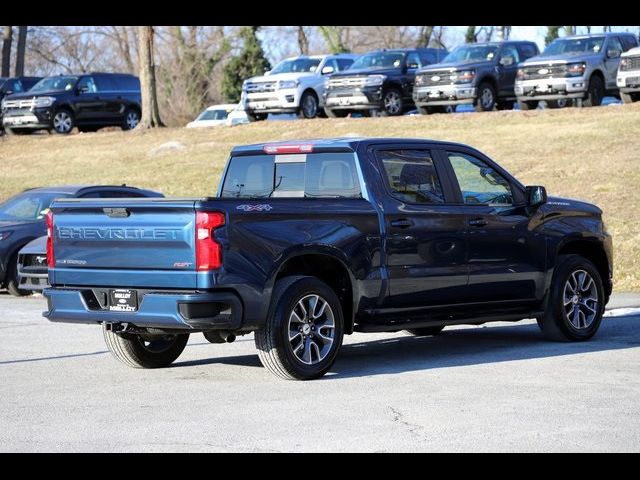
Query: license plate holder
x: 123, y: 300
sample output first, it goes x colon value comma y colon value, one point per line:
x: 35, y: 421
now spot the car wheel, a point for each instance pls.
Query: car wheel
x: 431, y: 110
x: 13, y: 279
x: 336, y: 113
x: 303, y: 331
x: 425, y: 331
x: 505, y: 105
x: 393, y: 103
x: 256, y: 117
x: 308, y: 105
x: 595, y: 93
x: 629, y: 97
x: 528, y: 105
x: 63, y: 121
x: 143, y: 350
x: 486, y: 99
x: 575, y: 301
x: 131, y: 119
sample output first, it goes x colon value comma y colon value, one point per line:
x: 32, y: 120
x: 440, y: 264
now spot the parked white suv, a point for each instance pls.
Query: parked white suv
x: 295, y: 85
x: 628, y: 78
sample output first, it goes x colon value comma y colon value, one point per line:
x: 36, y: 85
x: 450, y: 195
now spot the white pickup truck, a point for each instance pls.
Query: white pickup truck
x: 628, y: 78
x: 295, y: 85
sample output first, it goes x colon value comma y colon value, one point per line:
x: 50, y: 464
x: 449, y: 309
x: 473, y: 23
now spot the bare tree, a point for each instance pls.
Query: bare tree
x: 7, y: 38
x: 424, y: 38
x: 571, y: 30
x: 503, y: 32
x: 21, y: 47
x: 150, y: 112
x: 333, y: 36
x: 303, y: 41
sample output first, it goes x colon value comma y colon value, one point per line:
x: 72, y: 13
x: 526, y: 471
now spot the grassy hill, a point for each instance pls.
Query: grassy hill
x: 589, y: 154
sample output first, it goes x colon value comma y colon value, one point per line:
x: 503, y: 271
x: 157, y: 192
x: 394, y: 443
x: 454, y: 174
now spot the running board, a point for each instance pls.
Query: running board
x: 394, y: 327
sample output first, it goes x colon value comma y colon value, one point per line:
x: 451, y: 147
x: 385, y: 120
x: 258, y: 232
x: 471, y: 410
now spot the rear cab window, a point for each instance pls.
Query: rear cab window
x: 312, y: 175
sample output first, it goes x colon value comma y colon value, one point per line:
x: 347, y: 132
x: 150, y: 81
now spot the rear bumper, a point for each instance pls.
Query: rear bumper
x: 165, y: 309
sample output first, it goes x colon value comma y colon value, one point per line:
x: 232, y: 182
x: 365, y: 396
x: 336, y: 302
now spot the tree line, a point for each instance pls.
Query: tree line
x: 193, y: 66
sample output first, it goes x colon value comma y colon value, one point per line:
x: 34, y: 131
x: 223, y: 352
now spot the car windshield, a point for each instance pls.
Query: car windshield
x: 297, y: 65
x: 574, y: 46
x: 27, y: 206
x: 213, y: 115
x: 378, y: 60
x: 472, y: 53
x: 54, y: 84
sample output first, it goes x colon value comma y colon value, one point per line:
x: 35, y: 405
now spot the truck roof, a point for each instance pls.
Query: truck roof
x: 347, y: 143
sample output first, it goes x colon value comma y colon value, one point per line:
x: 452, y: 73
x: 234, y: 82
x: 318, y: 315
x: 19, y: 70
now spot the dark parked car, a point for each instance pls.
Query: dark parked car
x: 479, y: 74
x: 22, y: 220
x: 88, y: 101
x: 15, y: 85
x: 307, y: 241
x: 378, y: 83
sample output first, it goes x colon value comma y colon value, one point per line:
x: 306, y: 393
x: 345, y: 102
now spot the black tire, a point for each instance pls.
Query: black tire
x: 629, y: 97
x: 505, y: 105
x: 308, y: 105
x: 393, y: 104
x: 595, y: 94
x: 130, y: 120
x: 486, y: 99
x: 256, y: 117
x: 273, y: 340
x: 425, y: 331
x: 131, y: 350
x: 528, y: 104
x: 12, y: 280
x: 335, y: 113
x: 63, y: 121
x: 561, y: 103
x: 433, y: 109
x: 555, y: 323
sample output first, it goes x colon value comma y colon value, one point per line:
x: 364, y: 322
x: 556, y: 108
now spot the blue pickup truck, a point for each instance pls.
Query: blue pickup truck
x: 307, y: 241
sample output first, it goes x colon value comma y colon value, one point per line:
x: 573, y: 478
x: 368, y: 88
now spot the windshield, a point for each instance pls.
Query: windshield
x: 378, y: 60
x: 574, y: 45
x: 54, y: 84
x: 297, y: 65
x: 27, y: 206
x: 472, y: 53
x: 213, y: 115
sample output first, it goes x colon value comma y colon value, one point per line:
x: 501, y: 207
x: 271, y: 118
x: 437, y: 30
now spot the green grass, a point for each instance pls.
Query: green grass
x: 589, y: 154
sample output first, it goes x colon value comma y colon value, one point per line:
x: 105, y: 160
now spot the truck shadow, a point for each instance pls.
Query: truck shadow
x: 475, y: 346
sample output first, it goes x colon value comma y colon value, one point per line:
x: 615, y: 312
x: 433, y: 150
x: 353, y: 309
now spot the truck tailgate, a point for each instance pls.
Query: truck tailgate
x: 124, y: 242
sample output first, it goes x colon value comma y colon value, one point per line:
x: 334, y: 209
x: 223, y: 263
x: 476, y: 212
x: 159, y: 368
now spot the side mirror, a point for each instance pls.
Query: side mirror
x: 81, y: 90
x: 8, y: 92
x: 613, y: 53
x: 506, y: 61
x: 267, y: 73
x: 327, y: 70
x: 412, y: 66
x: 536, y: 195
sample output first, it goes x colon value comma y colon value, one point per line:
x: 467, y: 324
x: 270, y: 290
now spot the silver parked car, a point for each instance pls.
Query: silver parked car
x: 579, y: 67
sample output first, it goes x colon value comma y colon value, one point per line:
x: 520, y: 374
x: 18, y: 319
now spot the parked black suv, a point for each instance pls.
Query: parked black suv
x: 9, y: 85
x: 482, y: 74
x: 379, y: 82
x: 88, y: 101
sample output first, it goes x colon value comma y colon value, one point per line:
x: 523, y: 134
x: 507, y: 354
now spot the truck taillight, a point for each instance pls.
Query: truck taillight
x: 51, y: 259
x: 208, y: 251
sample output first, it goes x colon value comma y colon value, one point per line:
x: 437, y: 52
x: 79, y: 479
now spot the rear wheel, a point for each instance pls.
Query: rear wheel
x: 528, y: 104
x: 425, y: 331
x: 308, y: 105
x: 303, y: 331
x: 575, y: 301
x: 256, y: 117
x: 145, y: 351
x: 486, y: 99
x: 131, y: 119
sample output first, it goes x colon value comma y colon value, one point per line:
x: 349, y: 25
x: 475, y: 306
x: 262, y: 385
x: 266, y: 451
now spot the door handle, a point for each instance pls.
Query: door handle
x: 478, y: 222
x: 402, y: 223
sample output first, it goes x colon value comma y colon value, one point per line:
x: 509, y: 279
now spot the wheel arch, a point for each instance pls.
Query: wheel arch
x: 593, y: 251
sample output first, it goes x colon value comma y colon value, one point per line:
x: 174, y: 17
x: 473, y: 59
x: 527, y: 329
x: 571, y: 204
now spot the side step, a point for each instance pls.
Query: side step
x: 396, y: 326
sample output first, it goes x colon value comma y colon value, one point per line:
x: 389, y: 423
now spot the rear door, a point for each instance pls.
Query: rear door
x: 425, y: 241
x: 111, y: 97
x: 506, y: 258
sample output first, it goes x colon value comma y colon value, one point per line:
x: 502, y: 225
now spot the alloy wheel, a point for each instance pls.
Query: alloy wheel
x: 311, y: 329
x: 580, y: 299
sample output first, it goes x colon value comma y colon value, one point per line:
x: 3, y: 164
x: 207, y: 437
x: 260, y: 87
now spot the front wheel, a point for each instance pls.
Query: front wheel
x: 595, y: 94
x: 63, y: 121
x: 13, y: 279
x: 393, y: 103
x: 143, y: 350
x: 308, y: 106
x: 303, y: 331
x: 486, y: 100
x: 575, y: 301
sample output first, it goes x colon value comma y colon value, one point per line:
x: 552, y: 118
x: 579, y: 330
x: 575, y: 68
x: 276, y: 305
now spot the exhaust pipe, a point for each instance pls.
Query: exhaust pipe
x: 219, y: 336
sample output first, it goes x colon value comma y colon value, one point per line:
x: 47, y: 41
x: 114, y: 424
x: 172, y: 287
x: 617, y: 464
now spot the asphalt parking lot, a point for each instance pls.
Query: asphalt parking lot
x: 492, y: 388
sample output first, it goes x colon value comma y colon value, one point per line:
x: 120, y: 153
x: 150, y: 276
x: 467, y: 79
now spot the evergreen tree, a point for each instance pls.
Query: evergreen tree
x: 251, y: 61
x: 552, y: 34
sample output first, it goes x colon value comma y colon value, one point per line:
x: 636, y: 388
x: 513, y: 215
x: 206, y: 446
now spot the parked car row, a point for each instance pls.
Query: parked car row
x: 494, y: 75
x: 23, y: 251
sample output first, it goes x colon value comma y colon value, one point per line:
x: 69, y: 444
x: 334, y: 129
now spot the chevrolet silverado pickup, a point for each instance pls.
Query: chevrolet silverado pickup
x: 306, y: 241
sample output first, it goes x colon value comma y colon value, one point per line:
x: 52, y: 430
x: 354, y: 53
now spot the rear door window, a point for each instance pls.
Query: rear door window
x: 292, y: 176
x: 411, y: 176
x: 105, y: 83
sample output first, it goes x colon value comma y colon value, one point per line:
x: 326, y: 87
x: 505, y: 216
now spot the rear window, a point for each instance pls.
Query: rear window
x: 294, y: 175
x: 127, y: 82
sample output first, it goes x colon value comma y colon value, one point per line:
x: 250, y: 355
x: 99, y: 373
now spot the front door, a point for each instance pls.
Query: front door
x: 506, y: 258
x: 508, y: 68
x: 611, y: 63
x: 425, y: 242
x: 88, y: 104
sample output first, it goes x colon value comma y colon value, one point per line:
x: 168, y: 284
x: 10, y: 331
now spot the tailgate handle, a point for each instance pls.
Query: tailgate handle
x: 116, y: 212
